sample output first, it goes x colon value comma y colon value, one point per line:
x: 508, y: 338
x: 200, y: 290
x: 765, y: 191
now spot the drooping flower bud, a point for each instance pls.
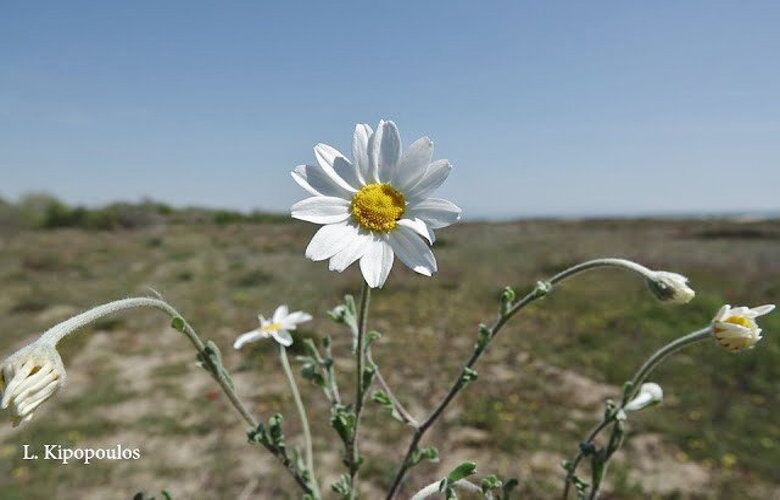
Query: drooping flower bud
x: 670, y: 287
x: 29, y: 377
x: 650, y: 394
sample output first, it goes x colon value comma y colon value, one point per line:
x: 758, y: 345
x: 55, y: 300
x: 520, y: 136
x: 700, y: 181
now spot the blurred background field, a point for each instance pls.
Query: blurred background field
x: 133, y: 381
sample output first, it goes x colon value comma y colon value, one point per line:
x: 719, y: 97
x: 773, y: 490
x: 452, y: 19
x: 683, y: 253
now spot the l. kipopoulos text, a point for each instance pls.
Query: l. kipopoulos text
x: 66, y: 455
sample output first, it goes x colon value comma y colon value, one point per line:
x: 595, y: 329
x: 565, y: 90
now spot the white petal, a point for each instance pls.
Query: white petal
x: 376, y: 262
x: 413, y: 251
x: 244, y: 338
x: 33, y: 388
x: 722, y: 313
x: 330, y: 158
x: 315, y: 181
x: 385, y: 151
x: 28, y: 406
x: 336, y: 166
x: 360, y: 141
x: 298, y: 317
x: 283, y: 337
x: 419, y: 227
x: 413, y: 164
x: 761, y: 310
x: 321, y: 210
x: 45, y: 374
x: 329, y: 240
x: 434, y: 176
x: 351, y: 253
x: 435, y: 212
x: 8, y: 375
x: 19, y: 377
x: 280, y: 313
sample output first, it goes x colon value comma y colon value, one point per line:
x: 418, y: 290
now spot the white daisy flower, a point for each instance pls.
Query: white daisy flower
x: 736, y: 329
x: 376, y: 207
x: 29, y: 377
x: 278, y: 327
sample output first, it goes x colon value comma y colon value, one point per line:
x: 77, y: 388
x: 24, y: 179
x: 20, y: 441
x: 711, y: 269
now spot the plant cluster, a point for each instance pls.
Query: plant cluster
x: 375, y: 208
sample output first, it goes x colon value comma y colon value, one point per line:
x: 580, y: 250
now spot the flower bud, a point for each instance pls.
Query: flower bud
x: 650, y: 394
x: 670, y: 287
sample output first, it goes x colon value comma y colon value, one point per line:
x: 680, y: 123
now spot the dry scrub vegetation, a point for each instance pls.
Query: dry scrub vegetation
x: 133, y: 381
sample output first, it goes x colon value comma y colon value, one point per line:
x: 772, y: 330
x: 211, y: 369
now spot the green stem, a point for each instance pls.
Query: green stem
x: 660, y: 355
x: 402, y: 412
x: 58, y: 332
x: 304, y: 420
x: 636, y: 381
x: 570, y: 475
x: 360, y: 356
x: 536, y: 293
x: 542, y: 288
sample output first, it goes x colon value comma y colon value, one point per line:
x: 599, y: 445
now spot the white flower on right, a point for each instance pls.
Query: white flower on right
x: 736, y: 329
x: 278, y: 327
x: 29, y: 377
x: 378, y: 206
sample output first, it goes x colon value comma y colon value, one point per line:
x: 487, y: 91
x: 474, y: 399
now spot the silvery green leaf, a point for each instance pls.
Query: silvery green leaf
x: 483, y: 337
x: 178, y: 323
x: 429, y: 453
x: 469, y: 375
x: 508, y: 296
x: 491, y: 482
x: 462, y: 471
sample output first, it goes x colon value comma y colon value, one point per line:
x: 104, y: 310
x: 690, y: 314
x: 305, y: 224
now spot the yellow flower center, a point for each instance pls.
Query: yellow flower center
x: 740, y: 320
x: 377, y: 207
x: 273, y: 327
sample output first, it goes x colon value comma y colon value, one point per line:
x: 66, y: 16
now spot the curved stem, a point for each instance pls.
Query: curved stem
x: 660, y: 355
x: 402, y: 412
x: 606, y: 262
x: 542, y: 288
x: 53, y: 336
x: 302, y: 415
x: 456, y: 387
x: 636, y: 381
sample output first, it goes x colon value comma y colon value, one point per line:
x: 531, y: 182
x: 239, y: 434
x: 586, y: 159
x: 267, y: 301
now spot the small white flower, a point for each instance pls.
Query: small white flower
x: 670, y: 287
x: 29, y: 377
x: 278, y: 327
x: 376, y: 207
x: 650, y: 394
x: 736, y: 329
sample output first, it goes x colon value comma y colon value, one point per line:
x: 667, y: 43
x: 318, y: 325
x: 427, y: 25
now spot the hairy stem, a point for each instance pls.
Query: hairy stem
x: 360, y: 357
x: 456, y: 387
x: 402, y: 412
x: 660, y: 355
x: 302, y: 415
x: 58, y: 332
x: 542, y: 288
x: 636, y: 381
x: 577, y: 459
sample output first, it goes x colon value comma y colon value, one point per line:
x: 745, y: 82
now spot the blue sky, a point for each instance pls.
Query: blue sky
x: 544, y: 108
